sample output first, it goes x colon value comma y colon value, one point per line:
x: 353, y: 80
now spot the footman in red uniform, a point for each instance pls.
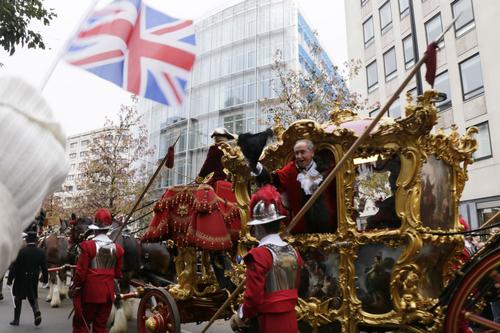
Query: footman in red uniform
x: 273, y: 270
x: 99, y: 263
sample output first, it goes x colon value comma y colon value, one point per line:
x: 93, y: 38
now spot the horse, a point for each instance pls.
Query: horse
x: 149, y: 262
x: 77, y: 233
x: 56, y: 248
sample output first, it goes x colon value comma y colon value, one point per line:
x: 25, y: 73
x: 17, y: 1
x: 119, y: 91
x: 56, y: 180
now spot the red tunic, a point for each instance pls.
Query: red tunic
x: 275, y: 311
x: 213, y: 163
x: 289, y: 184
x: 97, y: 284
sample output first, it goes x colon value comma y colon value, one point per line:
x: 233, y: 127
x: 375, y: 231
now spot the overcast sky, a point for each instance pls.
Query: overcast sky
x: 81, y: 100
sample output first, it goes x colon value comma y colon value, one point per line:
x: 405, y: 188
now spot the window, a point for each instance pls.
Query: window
x: 73, y: 145
x: 250, y: 92
x: 404, y: 8
x: 234, y: 124
x: 72, y: 155
x: 483, y: 142
x: 466, y: 20
x: 434, y: 28
x: 471, y: 77
x: 385, y: 17
x: 390, y: 64
x: 85, y: 143
x: 371, y: 76
x: 72, y: 167
x: 442, y: 84
x: 68, y: 188
x: 83, y: 153
x: 70, y: 178
x: 408, y: 51
x: 368, y: 33
x: 81, y: 165
x: 251, y: 59
x: 373, y: 113
x: 395, y: 109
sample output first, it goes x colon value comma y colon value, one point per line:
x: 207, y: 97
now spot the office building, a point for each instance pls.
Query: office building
x: 231, y: 80
x: 381, y: 34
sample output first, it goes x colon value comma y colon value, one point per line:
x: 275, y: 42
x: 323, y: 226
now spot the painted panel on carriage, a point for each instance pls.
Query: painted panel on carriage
x: 436, y: 202
x: 320, y: 276
x: 374, y: 267
x: 374, y: 193
x: 432, y: 261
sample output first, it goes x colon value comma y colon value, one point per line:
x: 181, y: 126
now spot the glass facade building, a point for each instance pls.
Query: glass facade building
x: 231, y: 79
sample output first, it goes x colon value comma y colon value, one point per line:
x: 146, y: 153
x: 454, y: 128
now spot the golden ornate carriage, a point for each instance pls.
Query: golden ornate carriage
x: 392, y: 262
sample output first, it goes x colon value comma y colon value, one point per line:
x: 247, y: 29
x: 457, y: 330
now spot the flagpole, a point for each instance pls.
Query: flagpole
x: 64, y: 47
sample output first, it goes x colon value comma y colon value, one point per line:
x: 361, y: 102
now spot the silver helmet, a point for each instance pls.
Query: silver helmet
x: 262, y: 214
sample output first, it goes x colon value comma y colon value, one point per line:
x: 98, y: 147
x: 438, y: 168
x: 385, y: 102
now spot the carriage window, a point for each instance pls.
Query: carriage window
x: 374, y: 193
x: 436, y: 201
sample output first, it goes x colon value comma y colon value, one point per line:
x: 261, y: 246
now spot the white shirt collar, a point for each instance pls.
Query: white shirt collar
x: 274, y: 239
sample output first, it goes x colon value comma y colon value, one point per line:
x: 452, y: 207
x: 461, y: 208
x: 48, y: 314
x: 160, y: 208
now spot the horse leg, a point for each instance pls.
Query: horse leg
x: 125, y: 287
x: 118, y: 318
x: 52, y: 281
x: 119, y: 322
x: 63, y: 287
x: 56, y: 296
x: 117, y: 315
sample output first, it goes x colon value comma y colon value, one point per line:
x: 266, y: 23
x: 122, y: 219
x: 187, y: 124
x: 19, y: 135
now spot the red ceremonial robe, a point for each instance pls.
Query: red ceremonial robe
x: 288, y: 183
x: 213, y: 163
x: 97, y: 284
x: 275, y: 311
x: 97, y: 293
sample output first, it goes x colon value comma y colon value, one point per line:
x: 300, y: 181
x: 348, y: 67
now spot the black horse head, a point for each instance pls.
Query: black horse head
x: 79, y: 230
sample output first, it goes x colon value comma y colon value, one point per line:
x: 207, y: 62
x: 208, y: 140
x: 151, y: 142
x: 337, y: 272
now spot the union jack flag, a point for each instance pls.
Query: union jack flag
x: 138, y: 48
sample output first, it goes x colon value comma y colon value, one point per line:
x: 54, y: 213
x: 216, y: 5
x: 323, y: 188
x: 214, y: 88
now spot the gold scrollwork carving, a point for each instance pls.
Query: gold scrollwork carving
x: 410, y: 139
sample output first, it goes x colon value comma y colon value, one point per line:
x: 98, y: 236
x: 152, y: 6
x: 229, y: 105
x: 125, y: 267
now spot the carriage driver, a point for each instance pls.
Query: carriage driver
x: 213, y: 161
x: 273, y: 270
x: 99, y: 263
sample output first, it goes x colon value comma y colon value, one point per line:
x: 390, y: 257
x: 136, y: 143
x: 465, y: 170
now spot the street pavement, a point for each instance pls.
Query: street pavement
x: 55, y: 320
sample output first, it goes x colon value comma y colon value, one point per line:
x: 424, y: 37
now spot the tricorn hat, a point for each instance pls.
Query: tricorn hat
x: 221, y: 131
x: 266, y: 206
x: 102, y: 220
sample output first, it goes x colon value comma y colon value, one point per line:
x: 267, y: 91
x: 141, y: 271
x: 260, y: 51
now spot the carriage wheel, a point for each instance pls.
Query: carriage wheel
x: 158, y: 313
x: 479, y: 287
